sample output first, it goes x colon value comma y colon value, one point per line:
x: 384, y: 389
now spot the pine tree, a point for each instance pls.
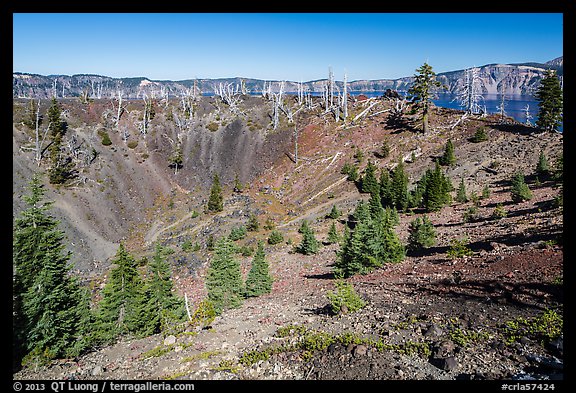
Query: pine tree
x: 216, y: 200
x: 386, y: 196
x: 176, y: 159
x: 371, y: 243
x: 437, y: 187
x: 309, y: 244
x: 369, y: 183
x: 399, y: 187
x: 258, y: 281
x: 162, y: 305
x: 421, y: 92
x: 275, y: 237
x: 122, y: 308
x: 550, y: 102
x: 333, y: 236
x: 417, y: 194
x: 461, y: 194
x: 253, y: 224
x: 519, y: 189
x: 421, y: 234
x: 49, y: 306
x: 542, y: 168
x: 448, y: 158
x: 334, y: 213
x: 61, y: 168
x: 224, y: 280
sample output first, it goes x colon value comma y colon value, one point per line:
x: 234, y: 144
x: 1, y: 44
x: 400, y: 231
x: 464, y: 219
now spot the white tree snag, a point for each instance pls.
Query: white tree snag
x: 187, y: 306
x: 229, y: 96
x: 527, y: 114
x: 469, y: 94
x: 365, y: 111
x: 120, y: 110
x: 331, y: 85
x: 345, y: 97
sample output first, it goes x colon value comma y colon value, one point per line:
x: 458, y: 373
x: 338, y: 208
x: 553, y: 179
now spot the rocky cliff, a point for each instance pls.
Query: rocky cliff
x: 512, y: 78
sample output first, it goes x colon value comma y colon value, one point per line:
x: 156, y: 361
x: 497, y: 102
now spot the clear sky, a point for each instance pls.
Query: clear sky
x: 278, y: 46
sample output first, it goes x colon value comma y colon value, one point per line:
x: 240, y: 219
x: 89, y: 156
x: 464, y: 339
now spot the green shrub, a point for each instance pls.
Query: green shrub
x: 458, y: 248
x: 213, y: 126
x: 499, y: 212
x: 105, y: 138
x: 470, y: 214
x: 544, y: 328
x: 132, y: 144
x: 204, y: 314
x: 480, y: 135
x: 519, y: 190
x: 422, y: 234
x: 237, y: 233
x: 350, y: 170
x: 344, y: 295
x: 275, y: 237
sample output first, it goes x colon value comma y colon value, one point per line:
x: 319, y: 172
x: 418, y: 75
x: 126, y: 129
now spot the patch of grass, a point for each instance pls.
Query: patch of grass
x: 160, y: 350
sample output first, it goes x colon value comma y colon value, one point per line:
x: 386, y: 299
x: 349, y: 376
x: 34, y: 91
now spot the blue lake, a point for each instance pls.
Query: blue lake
x: 514, y: 105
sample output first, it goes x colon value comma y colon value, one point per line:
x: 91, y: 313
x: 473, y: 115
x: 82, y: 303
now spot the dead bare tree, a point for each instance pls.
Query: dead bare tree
x: 121, y: 109
x: 300, y: 93
x: 229, y: 96
x: 147, y: 116
x: 345, y: 97
x: 469, y: 95
x: 527, y: 114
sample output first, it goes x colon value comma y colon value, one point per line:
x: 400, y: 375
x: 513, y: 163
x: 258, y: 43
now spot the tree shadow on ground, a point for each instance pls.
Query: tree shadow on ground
x: 521, y: 294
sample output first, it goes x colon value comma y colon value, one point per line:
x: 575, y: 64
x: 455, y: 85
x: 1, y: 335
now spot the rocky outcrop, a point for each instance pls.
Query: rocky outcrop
x: 495, y: 78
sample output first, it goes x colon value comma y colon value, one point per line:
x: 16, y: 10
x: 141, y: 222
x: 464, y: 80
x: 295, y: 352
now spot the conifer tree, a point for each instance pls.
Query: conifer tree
x: 224, y: 280
x: 369, y: 183
x: 334, y: 213
x: 216, y: 200
x: 417, y: 194
x: 448, y: 158
x: 421, y: 234
x: 519, y: 189
x: 386, y: 196
x: 275, y: 237
x: 309, y: 244
x: 399, y: 187
x: 61, y: 168
x: 253, y: 224
x: 542, y: 168
x: 437, y: 190
x: 50, y: 308
x: 422, y: 91
x: 122, y: 308
x: 371, y: 243
x: 550, y: 102
x: 162, y: 304
x: 461, y: 194
x: 258, y: 281
x: 333, y: 236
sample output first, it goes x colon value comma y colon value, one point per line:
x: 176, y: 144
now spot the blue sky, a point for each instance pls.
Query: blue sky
x: 278, y: 46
